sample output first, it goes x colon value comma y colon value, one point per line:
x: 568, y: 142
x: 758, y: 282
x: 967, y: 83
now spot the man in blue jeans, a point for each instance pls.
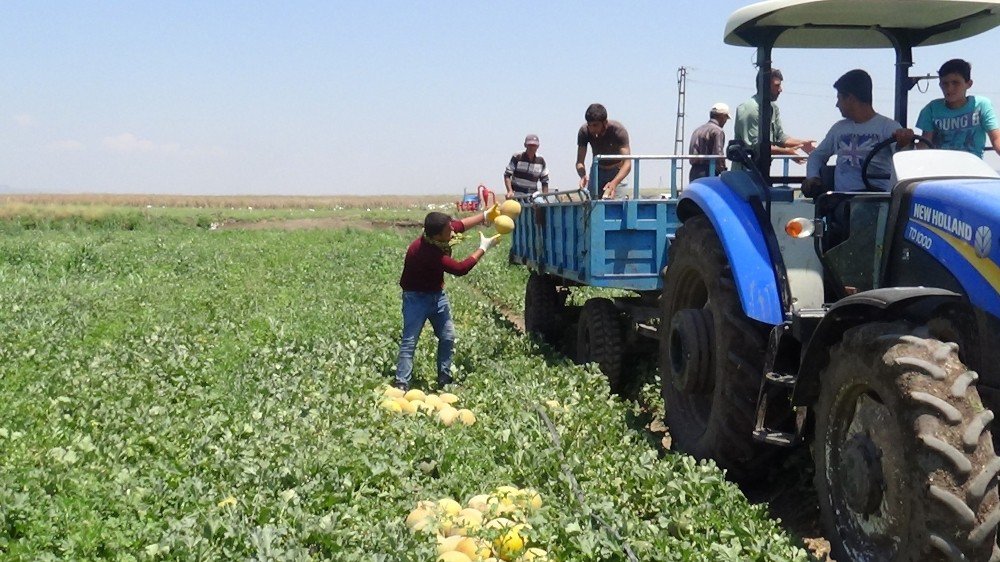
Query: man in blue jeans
x: 427, y: 259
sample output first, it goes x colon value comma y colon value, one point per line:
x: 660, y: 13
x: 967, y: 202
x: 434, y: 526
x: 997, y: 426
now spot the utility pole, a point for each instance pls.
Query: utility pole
x: 679, y: 131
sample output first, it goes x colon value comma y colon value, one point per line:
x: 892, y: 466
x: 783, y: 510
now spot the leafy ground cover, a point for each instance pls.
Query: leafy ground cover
x: 178, y: 393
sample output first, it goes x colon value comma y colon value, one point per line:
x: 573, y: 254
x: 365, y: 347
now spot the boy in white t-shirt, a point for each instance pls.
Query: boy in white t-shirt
x: 957, y: 121
x: 851, y: 139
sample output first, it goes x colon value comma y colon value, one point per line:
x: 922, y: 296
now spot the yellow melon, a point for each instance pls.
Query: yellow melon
x: 480, y: 503
x: 407, y: 406
x: 466, y: 416
x: 509, y: 545
x: 434, y: 401
x: 414, y: 394
x: 448, y: 506
x: 535, y: 554
x: 392, y: 392
x: 448, y: 544
x: 419, y: 519
x: 447, y: 415
x: 469, y: 520
x: 510, y: 208
x: 391, y: 405
x: 504, y: 224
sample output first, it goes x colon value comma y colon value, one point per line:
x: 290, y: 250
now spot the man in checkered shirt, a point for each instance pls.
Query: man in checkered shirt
x: 526, y: 169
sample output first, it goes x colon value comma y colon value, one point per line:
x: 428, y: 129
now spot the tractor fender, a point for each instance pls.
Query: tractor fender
x: 916, y: 304
x: 743, y: 238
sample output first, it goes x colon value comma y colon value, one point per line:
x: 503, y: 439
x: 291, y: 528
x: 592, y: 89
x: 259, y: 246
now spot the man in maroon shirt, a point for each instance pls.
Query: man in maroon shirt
x: 422, y: 281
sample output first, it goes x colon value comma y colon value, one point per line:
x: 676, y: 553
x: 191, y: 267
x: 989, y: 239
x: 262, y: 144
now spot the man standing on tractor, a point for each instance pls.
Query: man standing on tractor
x: 526, y: 169
x: 605, y: 138
x: 746, y: 125
x: 710, y: 138
x: 957, y: 121
x: 851, y: 139
x: 427, y: 260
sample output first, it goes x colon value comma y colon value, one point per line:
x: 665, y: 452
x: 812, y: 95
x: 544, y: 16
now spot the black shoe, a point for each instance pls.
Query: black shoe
x: 444, y: 381
x: 401, y: 385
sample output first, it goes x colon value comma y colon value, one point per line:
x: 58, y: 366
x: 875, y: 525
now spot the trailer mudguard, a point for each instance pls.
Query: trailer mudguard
x: 727, y: 205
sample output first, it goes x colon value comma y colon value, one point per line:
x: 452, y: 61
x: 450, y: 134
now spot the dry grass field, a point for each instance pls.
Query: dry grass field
x: 21, y: 201
x: 129, y: 211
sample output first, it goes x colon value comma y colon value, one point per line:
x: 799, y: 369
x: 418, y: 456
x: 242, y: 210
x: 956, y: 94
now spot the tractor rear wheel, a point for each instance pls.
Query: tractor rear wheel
x: 600, y: 339
x: 905, y: 467
x: 711, y: 356
x: 543, y: 307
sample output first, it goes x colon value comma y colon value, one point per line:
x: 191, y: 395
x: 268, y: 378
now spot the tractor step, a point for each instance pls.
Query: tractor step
x: 776, y: 388
x: 779, y: 438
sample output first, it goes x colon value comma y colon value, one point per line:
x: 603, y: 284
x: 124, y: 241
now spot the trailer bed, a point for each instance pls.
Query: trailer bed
x: 601, y: 243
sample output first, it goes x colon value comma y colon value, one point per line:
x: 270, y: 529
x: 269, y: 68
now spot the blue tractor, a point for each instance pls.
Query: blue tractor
x: 863, y: 324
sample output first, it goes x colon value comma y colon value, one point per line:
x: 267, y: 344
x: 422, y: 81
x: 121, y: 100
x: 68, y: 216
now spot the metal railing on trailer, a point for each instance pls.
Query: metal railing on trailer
x: 676, y: 162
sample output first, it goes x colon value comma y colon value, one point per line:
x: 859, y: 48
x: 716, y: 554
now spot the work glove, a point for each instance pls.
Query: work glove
x: 487, y: 242
x: 489, y: 215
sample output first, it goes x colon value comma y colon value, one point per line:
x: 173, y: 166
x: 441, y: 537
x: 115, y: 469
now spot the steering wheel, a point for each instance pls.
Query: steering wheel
x: 881, y: 145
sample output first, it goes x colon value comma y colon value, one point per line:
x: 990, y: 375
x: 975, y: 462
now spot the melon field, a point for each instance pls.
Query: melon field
x: 189, y: 384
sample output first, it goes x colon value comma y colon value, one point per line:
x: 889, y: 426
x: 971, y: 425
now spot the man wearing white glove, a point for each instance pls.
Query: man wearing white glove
x: 427, y: 259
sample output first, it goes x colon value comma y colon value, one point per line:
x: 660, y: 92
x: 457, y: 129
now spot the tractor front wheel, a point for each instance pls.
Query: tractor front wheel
x: 905, y: 468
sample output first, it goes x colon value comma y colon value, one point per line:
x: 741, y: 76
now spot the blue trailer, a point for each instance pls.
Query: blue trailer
x: 573, y: 238
x: 601, y: 243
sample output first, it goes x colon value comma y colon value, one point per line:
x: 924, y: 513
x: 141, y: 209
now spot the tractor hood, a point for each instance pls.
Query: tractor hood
x: 856, y: 24
x: 958, y: 222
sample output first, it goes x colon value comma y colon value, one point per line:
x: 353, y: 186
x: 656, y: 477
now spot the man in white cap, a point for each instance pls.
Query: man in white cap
x: 526, y: 169
x: 710, y: 139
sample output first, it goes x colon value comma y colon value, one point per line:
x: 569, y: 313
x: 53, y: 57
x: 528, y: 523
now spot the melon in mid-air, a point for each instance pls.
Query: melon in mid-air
x: 503, y: 224
x: 510, y: 208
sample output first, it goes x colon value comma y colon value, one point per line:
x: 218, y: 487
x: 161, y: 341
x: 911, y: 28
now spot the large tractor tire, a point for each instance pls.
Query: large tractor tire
x: 711, y: 357
x: 600, y: 339
x: 905, y: 468
x: 543, y: 307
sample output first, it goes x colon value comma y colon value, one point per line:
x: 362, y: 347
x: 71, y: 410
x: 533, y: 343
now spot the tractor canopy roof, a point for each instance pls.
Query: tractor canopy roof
x: 859, y: 24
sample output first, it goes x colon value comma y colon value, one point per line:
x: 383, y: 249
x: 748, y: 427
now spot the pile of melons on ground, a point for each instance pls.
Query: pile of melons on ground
x: 414, y: 401
x: 491, y: 528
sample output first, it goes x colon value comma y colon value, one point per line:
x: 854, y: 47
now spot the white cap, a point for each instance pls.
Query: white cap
x: 720, y: 109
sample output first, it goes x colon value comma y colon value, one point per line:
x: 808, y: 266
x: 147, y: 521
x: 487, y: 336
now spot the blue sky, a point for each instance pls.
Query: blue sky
x: 367, y: 97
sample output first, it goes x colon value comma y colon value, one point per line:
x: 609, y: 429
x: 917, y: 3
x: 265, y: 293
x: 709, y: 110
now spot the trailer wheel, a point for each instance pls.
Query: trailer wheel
x: 543, y: 306
x: 711, y: 356
x: 905, y: 467
x: 600, y: 339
